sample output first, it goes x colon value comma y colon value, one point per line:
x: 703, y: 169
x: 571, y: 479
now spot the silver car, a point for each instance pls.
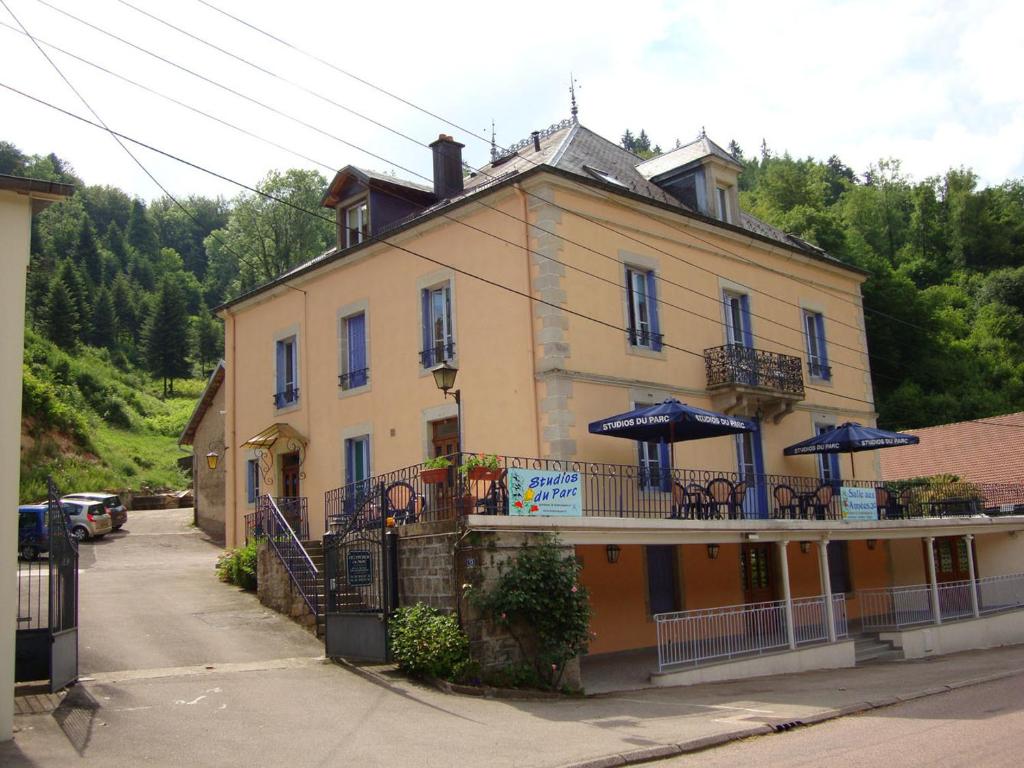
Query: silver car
x: 86, y: 519
x: 111, y: 502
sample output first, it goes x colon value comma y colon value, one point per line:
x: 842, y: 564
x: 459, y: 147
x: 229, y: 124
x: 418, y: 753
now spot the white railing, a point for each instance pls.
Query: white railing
x: 898, y: 607
x: 713, y: 634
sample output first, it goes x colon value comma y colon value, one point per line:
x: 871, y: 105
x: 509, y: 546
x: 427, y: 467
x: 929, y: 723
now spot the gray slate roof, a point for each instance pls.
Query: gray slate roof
x: 683, y: 156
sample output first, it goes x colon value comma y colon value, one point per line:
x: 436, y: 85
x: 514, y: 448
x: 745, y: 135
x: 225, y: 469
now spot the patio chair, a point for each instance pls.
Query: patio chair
x: 820, y: 502
x: 889, y: 507
x: 495, y: 501
x: 739, y: 493
x: 720, y: 493
x: 787, y: 503
x: 678, y: 501
x: 402, y: 503
x: 695, y: 501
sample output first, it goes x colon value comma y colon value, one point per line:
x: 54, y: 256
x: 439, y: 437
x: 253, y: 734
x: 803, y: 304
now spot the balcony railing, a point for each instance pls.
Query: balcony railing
x: 819, y: 370
x: 734, y: 365
x: 437, y: 354
x: 713, y: 634
x: 909, y: 606
x: 617, y: 490
x: 294, y: 510
x: 288, y: 396
x: 353, y: 379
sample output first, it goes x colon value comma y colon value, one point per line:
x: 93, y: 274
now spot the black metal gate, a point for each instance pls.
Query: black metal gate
x: 360, y: 582
x: 46, y: 643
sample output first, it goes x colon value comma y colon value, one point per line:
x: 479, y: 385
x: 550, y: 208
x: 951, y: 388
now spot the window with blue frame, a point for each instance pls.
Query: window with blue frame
x: 642, y: 307
x: 438, y: 333
x: 654, y: 472
x: 828, y: 463
x: 817, y: 353
x: 355, y: 368
x: 252, y: 480
x: 737, y: 319
x: 287, y: 372
x: 357, y: 471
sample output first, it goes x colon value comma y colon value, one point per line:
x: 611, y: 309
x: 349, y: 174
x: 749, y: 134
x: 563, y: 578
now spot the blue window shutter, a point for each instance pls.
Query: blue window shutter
x: 250, y: 489
x: 280, y: 367
x: 819, y: 321
x: 631, y: 310
x: 833, y: 461
x: 748, y: 332
x: 652, y: 309
x: 666, y: 470
x: 357, y: 350
x: 427, y: 357
x: 349, y: 461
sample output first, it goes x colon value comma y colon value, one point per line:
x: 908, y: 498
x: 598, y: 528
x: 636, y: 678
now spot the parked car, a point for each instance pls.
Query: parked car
x: 86, y: 519
x: 112, y: 503
x: 33, y: 533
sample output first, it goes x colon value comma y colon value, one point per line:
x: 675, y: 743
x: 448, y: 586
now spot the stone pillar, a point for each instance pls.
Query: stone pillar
x: 787, y: 595
x: 929, y: 543
x: 975, y: 608
x: 826, y: 589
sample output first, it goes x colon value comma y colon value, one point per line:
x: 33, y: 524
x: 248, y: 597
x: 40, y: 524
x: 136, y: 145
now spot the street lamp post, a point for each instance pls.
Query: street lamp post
x: 444, y: 378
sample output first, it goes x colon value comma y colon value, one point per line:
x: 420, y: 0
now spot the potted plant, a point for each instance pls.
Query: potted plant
x: 481, y: 467
x: 435, y: 470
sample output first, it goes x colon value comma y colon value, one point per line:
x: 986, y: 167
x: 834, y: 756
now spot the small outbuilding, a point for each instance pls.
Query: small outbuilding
x: 205, y: 433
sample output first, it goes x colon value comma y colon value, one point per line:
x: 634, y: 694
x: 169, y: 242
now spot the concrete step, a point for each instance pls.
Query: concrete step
x: 869, y: 648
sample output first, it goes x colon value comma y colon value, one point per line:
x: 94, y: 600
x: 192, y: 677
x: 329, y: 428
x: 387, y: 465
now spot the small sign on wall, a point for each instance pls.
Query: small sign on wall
x: 359, y: 568
x: 545, y: 493
x: 858, y: 503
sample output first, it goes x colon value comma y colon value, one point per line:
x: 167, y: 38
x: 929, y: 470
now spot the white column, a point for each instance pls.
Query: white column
x: 826, y: 589
x: 929, y: 545
x: 971, y: 574
x: 787, y: 594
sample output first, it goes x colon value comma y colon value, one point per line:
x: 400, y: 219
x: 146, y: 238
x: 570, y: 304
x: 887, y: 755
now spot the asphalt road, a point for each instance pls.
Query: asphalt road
x: 980, y: 726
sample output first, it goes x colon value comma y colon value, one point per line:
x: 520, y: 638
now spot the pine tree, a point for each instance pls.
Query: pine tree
x: 59, y: 320
x: 78, y: 289
x: 165, y: 335
x: 209, y: 338
x: 123, y: 304
x: 141, y: 234
x: 116, y: 244
x: 104, y: 321
x: 87, y: 254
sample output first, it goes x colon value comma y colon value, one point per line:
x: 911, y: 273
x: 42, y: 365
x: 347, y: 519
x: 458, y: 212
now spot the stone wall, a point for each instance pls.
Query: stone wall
x: 426, y: 565
x: 275, y: 589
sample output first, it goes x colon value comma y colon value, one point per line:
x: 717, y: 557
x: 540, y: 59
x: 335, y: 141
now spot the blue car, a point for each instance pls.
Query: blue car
x: 33, y: 534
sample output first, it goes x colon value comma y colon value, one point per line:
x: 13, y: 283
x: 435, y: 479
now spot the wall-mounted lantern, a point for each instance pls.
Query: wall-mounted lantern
x: 712, y: 551
x: 613, y: 552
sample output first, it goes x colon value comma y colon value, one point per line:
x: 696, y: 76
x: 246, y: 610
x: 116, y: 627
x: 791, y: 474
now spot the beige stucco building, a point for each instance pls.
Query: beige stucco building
x: 205, y: 433
x: 569, y: 280
x: 20, y: 198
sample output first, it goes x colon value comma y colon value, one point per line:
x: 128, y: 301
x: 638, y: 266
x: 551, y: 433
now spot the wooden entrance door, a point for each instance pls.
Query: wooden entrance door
x: 951, y: 559
x: 756, y: 573
x: 290, y: 475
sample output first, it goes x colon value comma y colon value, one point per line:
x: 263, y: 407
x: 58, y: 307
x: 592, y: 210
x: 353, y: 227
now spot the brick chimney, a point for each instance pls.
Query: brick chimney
x: 447, y: 166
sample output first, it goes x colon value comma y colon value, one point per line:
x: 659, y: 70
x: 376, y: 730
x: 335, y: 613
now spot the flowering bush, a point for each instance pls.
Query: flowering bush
x: 437, y: 462
x: 539, y: 601
x: 239, y: 566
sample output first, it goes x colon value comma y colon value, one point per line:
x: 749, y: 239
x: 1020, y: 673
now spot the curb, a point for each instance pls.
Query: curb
x: 708, y: 742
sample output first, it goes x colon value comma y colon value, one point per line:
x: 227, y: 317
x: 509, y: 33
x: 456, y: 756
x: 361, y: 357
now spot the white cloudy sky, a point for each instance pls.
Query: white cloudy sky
x: 936, y: 84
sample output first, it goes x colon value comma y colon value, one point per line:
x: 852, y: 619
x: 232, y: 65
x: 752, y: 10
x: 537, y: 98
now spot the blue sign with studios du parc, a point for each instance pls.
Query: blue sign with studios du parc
x: 359, y: 568
x: 544, y: 493
x: 858, y: 503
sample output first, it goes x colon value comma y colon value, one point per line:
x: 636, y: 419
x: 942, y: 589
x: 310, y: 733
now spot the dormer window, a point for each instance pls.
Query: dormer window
x: 604, y: 176
x: 722, y: 197
x: 357, y: 223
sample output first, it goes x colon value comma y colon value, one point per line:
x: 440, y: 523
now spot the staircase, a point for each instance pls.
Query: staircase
x: 315, y: 549
x: 869, y: 649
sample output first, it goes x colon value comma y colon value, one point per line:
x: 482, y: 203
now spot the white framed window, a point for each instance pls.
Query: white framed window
x: 737, y: 319
x: 817, y: 353
x: 355, y: 366
x: 828, y: 463
x: 722, y: 198
x: 252, y: 480
x: 287, y: 376
x: 357, y: 223
x: 642, y: 309
x: 438, y: 333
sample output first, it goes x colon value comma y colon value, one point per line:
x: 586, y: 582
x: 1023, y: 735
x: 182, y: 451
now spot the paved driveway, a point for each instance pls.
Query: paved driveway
x: 183, y: 670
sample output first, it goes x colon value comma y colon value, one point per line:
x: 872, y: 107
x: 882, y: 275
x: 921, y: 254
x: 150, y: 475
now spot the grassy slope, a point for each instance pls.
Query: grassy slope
x: 95, y: 425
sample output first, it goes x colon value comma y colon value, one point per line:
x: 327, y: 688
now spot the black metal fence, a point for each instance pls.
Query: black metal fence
x: 294, y: 509
x: 419, y: 494
x: 736, y: 364
x: 270, y: 524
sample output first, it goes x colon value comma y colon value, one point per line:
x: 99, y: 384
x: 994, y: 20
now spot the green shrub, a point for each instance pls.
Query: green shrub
x: 539, y: 601
x: 238, y: 566
x: 428, y: 643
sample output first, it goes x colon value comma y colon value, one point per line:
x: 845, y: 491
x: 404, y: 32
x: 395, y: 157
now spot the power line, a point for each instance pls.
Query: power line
x: 380, y: 238
x: 859, y: 304
x: 714, y: 299
x: 618, y: 285
x: 660, y: 277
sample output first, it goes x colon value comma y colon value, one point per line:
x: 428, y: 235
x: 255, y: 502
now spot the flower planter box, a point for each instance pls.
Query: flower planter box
x: 483, y: 473
x: 434, y: 476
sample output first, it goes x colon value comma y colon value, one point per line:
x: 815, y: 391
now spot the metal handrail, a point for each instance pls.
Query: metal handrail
x: 911, y: 605
x: 293, y: 556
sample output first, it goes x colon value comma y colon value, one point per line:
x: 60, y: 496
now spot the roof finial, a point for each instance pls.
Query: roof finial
x: 703, y: 133
x: 572, y: 99
x: 494, y: 145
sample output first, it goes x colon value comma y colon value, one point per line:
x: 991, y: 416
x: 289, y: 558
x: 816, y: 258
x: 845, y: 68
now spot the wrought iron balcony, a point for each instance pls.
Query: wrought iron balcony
x: 437, y: 354
x: 819, y: 370
x: 354, y: 379
x: 288, y: 396
x: 739, y: 367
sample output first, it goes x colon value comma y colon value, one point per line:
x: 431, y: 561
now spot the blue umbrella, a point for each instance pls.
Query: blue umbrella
x: 850, y: 437
x: 670, y: 422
